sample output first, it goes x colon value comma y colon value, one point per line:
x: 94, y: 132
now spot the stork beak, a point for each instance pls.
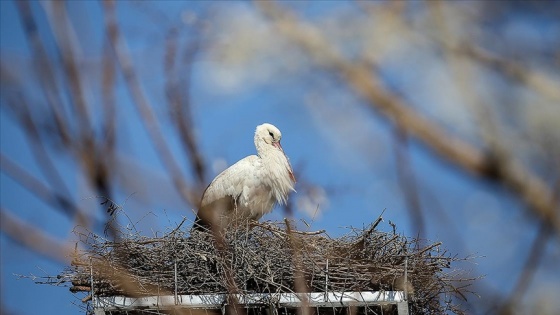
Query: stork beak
x: 278, y: 146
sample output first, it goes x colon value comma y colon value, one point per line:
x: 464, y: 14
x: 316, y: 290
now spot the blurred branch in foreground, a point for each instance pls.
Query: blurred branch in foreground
x: 492, y: 165
x: 70, y: 116
x: 43, y: 192
x: 178, y: 72
x: 144, y: 108
x: 32, y: 238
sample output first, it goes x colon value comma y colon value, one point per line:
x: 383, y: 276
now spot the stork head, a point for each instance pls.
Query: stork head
x: 268, y: 135
x: 267, y: 141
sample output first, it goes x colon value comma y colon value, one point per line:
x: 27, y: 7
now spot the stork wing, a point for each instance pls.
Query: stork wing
x: 220, y: 197
x: 231, y: 181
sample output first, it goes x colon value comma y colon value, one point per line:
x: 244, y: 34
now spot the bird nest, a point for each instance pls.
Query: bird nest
x: 267, y: 257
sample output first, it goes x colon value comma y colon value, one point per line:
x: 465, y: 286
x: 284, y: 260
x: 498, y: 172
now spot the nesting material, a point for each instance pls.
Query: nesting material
x: 268, y: 257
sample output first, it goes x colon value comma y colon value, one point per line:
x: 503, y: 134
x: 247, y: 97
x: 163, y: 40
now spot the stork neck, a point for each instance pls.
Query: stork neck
x: 262, y: 147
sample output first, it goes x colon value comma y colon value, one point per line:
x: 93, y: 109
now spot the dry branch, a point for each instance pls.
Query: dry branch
x: 33, y: 238
x: 42, y: 191
x: 359, y: 77
x: 143, y: 106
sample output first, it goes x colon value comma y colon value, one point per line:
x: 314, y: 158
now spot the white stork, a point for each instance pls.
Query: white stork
x: 249, y: 188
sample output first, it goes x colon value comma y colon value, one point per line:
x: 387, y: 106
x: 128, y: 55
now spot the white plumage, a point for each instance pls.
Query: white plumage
x: 251, y: 187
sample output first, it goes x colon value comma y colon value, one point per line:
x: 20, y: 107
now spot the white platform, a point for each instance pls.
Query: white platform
x: 217, y: 301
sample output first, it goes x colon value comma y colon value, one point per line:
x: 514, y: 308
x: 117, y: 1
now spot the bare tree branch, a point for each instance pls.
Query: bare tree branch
x: 43, y: 192
x: 18, y: 104
x: 62, y: 31
x: 44, y: 71
x: 408, y: 184
x: 108, y: 93
x: 33, y: 239
x: 534, y: 79
x: 501, y: 169
x: 178, y: 95
x: 534, y: 257
x: 142, y: 105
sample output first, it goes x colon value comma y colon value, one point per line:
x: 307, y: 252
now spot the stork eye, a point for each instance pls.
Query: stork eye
x: 270, y: 133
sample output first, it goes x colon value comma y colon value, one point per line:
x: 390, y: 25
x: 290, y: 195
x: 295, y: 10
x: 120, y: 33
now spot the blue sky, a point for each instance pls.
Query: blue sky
x: 352, y: 158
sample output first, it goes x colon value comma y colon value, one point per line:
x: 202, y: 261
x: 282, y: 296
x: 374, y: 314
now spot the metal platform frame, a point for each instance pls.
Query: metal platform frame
x: 104, y: 305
